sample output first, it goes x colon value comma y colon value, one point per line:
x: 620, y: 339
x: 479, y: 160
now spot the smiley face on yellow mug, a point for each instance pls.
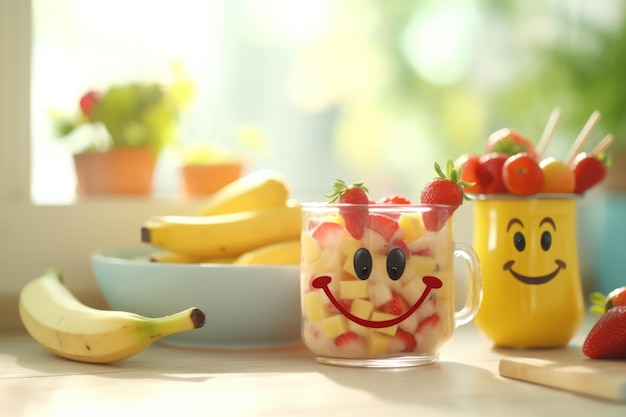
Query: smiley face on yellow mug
x: 532, y: 295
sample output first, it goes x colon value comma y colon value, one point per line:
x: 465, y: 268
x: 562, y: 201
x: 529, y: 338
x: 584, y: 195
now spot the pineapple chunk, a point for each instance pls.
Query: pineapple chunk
x: 378, y: 344
x: 362, y: 309
x: 330, y: 260
x: 333, y: 326
x: 380, y: 294
x: 412, y: 225
x: 421, y: 265
x: 349, y: 246
x: 310, y: 248
x: 351, y: 290
x: 378, y: 316
x: 314, y: 309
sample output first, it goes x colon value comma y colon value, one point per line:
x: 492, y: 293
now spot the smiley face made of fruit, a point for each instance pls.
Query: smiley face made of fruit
x: 362, y: 262
x: 532, y: 242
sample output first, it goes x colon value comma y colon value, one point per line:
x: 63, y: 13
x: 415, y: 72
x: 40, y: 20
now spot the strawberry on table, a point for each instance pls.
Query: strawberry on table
x: 607, y: 338
x: 446, y: 189
x: 356, y: 218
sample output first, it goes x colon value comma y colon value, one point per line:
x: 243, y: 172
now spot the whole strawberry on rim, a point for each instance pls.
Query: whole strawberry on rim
x: 356, y: 217
x: 445, y: 189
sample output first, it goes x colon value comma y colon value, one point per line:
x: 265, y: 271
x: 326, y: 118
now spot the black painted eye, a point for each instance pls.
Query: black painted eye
x: 546, y: 240
x: 519, y: 241
x: 396, y: 261
x: 363, y: 263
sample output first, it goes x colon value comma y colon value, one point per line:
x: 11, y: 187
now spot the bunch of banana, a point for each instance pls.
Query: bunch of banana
x: 62, y: 324
x: 250, y: 221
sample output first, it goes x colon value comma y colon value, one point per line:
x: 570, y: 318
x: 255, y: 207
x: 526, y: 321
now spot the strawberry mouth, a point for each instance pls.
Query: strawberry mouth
x: 323, y: 281
x: 534, y: 280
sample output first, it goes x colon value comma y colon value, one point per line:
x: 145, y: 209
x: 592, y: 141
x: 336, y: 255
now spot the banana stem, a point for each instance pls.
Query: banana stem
x: 192, y: 318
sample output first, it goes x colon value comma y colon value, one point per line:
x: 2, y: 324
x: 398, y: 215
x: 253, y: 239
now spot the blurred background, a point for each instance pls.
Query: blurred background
x: 362, y: 90
x: 323, y: 89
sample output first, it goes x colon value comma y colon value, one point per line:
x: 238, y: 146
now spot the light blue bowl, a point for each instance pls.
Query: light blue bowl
x: 254, y: 306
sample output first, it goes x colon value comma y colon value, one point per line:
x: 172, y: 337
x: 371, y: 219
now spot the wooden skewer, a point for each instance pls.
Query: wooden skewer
x: 583, y: 136
x: 603, y: 145
x: 548, y: 132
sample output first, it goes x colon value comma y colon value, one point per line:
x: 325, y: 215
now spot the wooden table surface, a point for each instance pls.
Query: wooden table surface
x: 170, y: 381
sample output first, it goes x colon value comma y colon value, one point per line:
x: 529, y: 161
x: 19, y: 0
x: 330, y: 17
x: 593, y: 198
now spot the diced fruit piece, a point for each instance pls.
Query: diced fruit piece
x: 351, y: 290
x: 345, y: 338
x: 557, y: 176
x: 491, y: 174
x: 378, y: 344
x: 344, y: 303
x: 446, y: 189
x: 356, y: 217
x: 397, y: 306
x: 421, y: 265
x: 394, y: 199
x: 428, y: 323
x: 412, y: 225
x: 310, y: 249
x: 407, y: 340
x: 589, y: 170
x: 314, y: 308
x: 333, y: 326
x: 522, y: 174
x: 329, y: 234
x: 380, y: 294
x: 378, y: 316
x: 361, y: 308
x: 384, y: 225
x: 510, y: 142
x: 607, y: 338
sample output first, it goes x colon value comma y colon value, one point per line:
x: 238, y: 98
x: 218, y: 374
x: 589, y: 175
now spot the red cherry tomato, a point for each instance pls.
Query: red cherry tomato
x: 470, y: 167
x: 522, y: 174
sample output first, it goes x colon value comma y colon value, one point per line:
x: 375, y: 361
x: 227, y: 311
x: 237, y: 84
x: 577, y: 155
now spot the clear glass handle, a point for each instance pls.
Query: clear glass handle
x: 474, y: 284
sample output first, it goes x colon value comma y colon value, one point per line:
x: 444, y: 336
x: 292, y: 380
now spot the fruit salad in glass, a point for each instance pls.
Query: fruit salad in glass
x: 377, y: 279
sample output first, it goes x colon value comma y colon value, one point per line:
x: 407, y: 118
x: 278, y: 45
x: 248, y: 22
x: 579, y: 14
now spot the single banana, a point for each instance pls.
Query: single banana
x: 282, y: 253
x: 223, y: 235
x: 65, y: 326
x: 260, y: 189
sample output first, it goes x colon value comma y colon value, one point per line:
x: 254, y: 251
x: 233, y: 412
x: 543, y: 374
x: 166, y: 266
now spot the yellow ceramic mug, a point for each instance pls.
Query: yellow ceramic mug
x: 529, y: 260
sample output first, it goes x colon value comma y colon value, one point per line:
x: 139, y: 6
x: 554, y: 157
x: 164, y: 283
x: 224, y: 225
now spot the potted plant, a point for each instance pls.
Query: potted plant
x: 118, y: 133
x: 205, y: 168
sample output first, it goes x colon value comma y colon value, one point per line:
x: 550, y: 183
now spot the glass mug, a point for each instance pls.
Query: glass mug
x: 385, y: 297
x: 532, y: 289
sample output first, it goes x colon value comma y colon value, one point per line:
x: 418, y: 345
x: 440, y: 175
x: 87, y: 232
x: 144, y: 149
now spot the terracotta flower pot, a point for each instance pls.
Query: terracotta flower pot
x: 206, y: 179
x: 126, y: 171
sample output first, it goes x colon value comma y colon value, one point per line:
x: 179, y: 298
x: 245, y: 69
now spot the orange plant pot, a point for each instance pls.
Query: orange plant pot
x: 207, y: 179
x: 125, y: 171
